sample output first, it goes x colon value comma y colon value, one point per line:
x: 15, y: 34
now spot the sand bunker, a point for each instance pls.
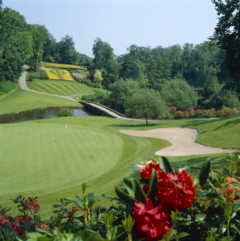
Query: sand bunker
x: 183, y: 141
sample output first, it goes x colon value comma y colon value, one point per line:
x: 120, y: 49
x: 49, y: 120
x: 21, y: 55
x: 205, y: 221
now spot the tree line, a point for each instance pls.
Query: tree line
x: 210, y: 68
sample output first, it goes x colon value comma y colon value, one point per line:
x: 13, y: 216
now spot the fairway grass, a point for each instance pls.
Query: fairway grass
x: 61, y: 87
x: 223, y: 132
x: 58, y: 155
x: 20, y: 100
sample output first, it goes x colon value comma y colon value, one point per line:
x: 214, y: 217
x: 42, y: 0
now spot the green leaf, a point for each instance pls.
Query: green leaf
x: 153, y: 185
x: 124, y: 197
x: 129, y: 185
x: 140, y: 195
x: 181, y: 235
x: 166, y: 166
x: 90, y: 235
x: 204, y: 173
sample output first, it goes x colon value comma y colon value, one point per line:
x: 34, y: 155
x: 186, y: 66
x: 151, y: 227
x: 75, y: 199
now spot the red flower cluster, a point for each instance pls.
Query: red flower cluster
x: 15, y: 225
x: 151, y: 222
x: 32, y: 205
x: 175, y: 192
x: 4, y: 220
x: 149, y: 167
x: 232, y: 192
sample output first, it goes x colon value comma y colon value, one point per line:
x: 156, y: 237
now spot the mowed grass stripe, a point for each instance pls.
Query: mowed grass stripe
x: 50, y: 164
x: 224, y: 132
x: 61, y: 87
x: 58, y: 155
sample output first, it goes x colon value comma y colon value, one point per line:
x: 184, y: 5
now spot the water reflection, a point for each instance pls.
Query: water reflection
x: 45, y: 113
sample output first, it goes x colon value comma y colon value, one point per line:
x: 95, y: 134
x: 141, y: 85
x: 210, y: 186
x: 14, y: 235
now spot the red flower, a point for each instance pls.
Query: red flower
x: 17, y: 229
x: 177, y: 191
x: 20, y: 220
x: 231, y: 191
x: 32, y: 205
x: 173, y: 108
x: 43, y: 227
x: 151, y: 222
x: 4, y: 220
x: 149, y: 167
x: 72, y: 210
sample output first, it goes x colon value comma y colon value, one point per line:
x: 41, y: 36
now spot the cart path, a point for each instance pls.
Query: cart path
x: 183, y: 141
x: 23, y: 85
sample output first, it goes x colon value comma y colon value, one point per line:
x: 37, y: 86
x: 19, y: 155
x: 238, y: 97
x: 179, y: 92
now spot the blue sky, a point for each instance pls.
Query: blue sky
x: 122, y: 22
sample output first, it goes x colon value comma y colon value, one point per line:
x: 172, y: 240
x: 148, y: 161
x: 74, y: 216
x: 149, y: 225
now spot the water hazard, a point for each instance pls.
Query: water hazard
x: 44, y: 113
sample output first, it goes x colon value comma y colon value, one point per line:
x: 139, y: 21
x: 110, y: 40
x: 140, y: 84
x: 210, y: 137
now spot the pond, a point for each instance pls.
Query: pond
x: 44, y: 113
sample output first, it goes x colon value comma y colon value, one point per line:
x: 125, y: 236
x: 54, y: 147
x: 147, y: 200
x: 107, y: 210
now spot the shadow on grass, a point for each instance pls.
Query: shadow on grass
x: 228, y: 124
x: 194, y: 123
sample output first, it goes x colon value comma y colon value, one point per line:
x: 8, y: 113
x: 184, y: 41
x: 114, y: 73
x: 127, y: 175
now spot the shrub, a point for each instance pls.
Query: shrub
x: 99, y: 96
x: 147, y: 104
x: 177, y: 92
x: 230, y: 99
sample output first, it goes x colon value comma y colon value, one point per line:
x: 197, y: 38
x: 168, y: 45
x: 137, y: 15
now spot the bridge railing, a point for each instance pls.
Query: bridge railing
x: 105, y: 107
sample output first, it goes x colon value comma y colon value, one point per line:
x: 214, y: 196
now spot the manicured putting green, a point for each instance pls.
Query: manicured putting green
x: 49, y: 158
x: 52, y: 158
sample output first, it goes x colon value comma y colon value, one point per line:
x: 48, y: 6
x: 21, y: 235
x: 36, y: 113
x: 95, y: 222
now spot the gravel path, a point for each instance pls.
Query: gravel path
x: 23, y: 85
x: 183, y: 141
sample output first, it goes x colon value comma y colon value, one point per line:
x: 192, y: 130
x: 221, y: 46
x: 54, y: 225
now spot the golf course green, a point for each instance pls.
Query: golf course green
x: 51, y: 158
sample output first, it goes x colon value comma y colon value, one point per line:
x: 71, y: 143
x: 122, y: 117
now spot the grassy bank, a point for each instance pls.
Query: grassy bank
x: 19, y: 100
x: 61, y: 87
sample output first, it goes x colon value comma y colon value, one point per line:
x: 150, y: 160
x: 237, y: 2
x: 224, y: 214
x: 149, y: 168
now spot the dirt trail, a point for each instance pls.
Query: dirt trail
x: 183, y: 141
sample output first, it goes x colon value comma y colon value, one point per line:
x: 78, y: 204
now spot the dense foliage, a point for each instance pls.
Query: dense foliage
x: 210, y: 69
x: 156, y: 203
x: 227, y: 33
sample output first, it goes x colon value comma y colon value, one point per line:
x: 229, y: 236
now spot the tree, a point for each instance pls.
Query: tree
x: 227, y: 34
x: 67, y: 53
x: 97, y: 78
x: 40, y: 37
x: 131, y: 68
x: 105, y: 60
x: 120, y: 91
x: 1, y: 2
x: 15, y: 44
x: 177, y: 92
x: 146, y: 103
x: 84, y: 60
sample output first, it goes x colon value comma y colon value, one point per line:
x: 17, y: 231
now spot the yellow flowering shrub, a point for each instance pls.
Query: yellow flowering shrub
x: 66, y: 75
x: 58, y: 74
x: 64, y: 66
x: 52, y: 74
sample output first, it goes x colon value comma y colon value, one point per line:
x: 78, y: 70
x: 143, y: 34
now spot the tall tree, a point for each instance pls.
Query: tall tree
x: 104, y: 59
x: 67, y: 53
x: 227, y: 33
x: 131, y: 68
x: 40, y: 36
x: 15, y: 44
